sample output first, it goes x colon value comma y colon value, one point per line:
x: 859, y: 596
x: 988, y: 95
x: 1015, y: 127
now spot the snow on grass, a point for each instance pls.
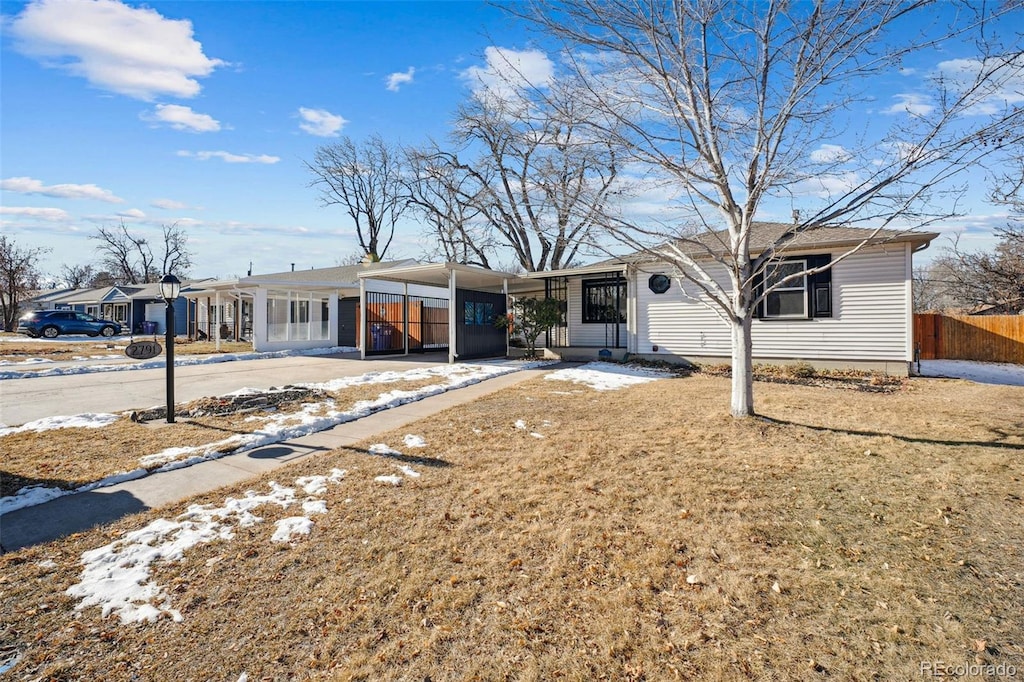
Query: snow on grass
x: 414, y: 441
x: 409, y: 471
x: 289, y: 528
x: 286, y: 426
x: 116, y: 577
x: 21, y: 363
x: 179, y: 361
x: 76, y: 421
x: 605, y: 376
x: 981, y: 372
x: 389, y: 479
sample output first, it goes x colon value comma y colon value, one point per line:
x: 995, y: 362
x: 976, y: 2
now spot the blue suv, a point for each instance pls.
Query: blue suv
x: 52, y: 323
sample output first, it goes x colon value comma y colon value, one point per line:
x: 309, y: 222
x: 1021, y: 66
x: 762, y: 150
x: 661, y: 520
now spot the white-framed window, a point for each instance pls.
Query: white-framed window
x: 788, y: 300
x: 298, y: 316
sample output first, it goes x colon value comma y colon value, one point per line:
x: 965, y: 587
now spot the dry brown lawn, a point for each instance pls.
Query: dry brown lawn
x: 16, y: 348
x: 646, y: 536
x: 72, y: 457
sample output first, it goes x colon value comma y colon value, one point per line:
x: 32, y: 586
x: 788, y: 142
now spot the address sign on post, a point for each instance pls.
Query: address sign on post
x: 143, y: 350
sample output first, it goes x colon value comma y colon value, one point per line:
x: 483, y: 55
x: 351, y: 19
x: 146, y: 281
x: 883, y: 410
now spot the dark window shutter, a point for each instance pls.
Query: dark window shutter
x: 819, y: 287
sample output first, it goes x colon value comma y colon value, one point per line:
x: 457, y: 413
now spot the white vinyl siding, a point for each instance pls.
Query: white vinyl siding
x: 869, y: 320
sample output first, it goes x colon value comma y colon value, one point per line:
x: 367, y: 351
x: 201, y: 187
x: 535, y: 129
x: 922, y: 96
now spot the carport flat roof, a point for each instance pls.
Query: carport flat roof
x: 466, y: 277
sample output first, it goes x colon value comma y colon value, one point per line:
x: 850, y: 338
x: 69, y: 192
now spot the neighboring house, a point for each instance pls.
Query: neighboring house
x: 300, y: 309
x: 859, y: 313
x: 408, y: 309
x: 136, y: 306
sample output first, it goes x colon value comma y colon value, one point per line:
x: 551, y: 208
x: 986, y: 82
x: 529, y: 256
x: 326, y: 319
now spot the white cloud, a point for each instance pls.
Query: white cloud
x: 168, y: 204
x: 228, y: 157
x: 133, y: 213
x: 398, y: 79
x: 23, y: 185
x: 321, y: 122
x: 830, y: 153
x: 128, y: 50
x: 909, y: 103
x: 33, y: 212
x: 508, y: 69
x: 183, y: 118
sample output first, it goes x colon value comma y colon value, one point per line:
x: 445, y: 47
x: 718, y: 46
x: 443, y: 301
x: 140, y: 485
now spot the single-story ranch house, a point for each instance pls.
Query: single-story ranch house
x: 857, y: 313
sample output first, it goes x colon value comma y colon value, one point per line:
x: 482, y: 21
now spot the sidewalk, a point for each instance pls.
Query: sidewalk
x: 81, y: 511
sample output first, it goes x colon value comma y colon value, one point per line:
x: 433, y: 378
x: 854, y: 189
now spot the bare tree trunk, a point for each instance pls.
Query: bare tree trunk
x: 742, y: 366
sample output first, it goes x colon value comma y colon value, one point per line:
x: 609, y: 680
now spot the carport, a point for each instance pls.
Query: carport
x: 476, y: 298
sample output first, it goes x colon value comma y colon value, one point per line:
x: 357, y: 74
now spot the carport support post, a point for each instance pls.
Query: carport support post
x: 362, y: 318
x: 504, y: 292
x: 452, y: 336
x: 220, y: 318
x: 405, y: 315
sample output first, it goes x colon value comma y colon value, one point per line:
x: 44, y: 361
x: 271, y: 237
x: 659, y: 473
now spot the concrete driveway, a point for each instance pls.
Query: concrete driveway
x: 25, y: 400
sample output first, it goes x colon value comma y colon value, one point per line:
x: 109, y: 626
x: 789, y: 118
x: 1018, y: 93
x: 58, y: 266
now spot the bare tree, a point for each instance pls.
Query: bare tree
x: 177, y: 258
x: 130, y: 258
x: 19, y: 276
x: 985, y: 279
x: 742, y: 103
x: 523, y: 169
x: 365, y: 179
x: 441, y: 195
x: 77, y: 276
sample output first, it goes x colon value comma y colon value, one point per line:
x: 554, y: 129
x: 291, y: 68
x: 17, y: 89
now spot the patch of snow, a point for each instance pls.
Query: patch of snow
x: 520, y: 424
x: 1001, y: 373
x: 76, y: 421
x: 383, y: 449
x: 413, y: 441
x: 288, y: 528
x: 606, y: 376
x: 29, y: 361
x: 116, y: 577
x: 389, y: 479
x: 537, y: 435
x: 409, y: 471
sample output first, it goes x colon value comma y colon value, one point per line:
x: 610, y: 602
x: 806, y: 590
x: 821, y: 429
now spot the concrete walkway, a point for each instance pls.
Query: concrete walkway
x: 81, y: 511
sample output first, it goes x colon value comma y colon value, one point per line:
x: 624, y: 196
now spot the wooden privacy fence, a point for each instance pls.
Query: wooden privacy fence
x: 989, y: 338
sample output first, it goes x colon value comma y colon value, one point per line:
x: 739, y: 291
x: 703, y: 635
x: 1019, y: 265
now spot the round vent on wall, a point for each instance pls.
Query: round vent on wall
x: 659, y: 284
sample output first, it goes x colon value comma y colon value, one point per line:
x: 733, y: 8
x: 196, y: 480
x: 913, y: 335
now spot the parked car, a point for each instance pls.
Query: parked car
x: 52, y: 323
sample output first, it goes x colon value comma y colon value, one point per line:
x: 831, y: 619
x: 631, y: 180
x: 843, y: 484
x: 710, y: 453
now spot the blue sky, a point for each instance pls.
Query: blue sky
x: 202, y: 113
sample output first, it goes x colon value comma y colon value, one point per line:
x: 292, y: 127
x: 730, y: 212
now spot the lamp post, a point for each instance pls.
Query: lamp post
x: 169, y: 288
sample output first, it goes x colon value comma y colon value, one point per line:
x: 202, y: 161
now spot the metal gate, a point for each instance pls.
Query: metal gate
x: 391, y: 318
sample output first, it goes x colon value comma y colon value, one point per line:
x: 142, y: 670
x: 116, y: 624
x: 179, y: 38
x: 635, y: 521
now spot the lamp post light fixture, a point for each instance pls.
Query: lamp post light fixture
x: 169, y: 288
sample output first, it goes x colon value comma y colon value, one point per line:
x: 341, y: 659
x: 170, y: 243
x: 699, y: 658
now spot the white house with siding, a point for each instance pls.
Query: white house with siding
x: 858, y: 313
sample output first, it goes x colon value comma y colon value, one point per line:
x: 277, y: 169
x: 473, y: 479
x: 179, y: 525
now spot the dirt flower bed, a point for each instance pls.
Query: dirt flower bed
x: 555, y: 532
x: 806, y: 375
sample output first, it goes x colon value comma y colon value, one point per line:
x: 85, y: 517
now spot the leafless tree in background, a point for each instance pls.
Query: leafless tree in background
x: 19, y: 277
x: 129, y: 257
x: 525, y: 174
x: 77, y: 276
x: 365, y: 179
